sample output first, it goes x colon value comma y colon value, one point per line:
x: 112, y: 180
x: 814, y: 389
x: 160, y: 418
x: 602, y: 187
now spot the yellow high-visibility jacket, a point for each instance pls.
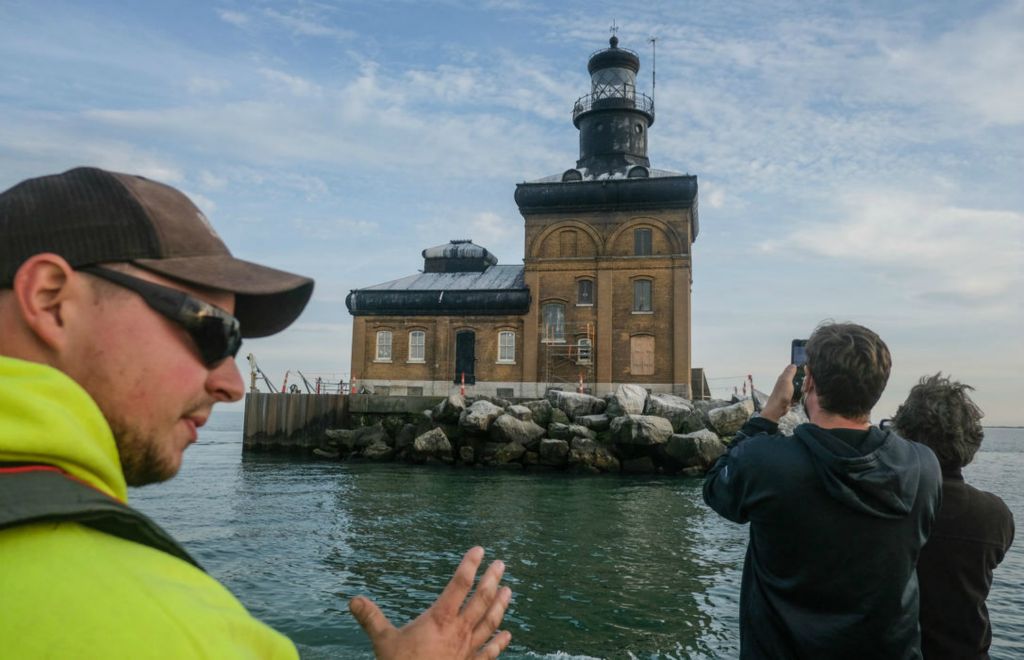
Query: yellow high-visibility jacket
x: 70, y: 591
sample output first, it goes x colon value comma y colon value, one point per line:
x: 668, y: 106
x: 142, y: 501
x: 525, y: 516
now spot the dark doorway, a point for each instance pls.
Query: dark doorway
x: 465, y: 356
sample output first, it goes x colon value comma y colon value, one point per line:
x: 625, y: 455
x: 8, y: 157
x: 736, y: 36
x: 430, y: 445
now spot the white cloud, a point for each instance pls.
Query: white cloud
x: 212, y: 181
x: 236, y: 18
x: 304, y: 22
x: 944, y: 252
x: 294, y: 85
x: 712, y: 194
x: 200, y: 85
x: 976, y: 66
x: 333, y: 228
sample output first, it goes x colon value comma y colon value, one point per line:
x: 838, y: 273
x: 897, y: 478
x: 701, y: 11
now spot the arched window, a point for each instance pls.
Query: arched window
x: 417, y: 346
x: 585, y: 292
x: 384, y: 346
x: 507, y: 347
x: 554, y: 322
x: 642, y: 292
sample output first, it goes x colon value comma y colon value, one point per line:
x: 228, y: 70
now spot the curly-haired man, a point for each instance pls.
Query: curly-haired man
x: 972, y: 532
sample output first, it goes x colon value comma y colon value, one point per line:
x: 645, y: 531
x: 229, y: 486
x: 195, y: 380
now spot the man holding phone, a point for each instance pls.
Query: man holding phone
x: 838, y: 511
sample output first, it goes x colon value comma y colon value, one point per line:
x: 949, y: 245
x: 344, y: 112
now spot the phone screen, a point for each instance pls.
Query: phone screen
x: 799, y: 354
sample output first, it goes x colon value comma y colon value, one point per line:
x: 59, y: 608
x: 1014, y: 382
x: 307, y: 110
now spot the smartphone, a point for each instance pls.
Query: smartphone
x: 798, y: 356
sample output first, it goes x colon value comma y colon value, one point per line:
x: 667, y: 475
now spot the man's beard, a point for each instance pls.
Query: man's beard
x: 141, y: 461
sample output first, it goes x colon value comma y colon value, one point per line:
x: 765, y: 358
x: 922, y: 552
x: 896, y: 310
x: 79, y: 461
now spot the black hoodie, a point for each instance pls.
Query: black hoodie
x: 837, y: 520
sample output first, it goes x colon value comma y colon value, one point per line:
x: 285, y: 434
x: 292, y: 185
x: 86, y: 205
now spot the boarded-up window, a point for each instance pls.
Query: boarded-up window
x: 569, y: 248
x: 641, y: 350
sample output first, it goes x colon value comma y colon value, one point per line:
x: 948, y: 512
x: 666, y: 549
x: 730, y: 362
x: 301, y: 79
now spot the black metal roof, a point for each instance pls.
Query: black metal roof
x: 497, y: 290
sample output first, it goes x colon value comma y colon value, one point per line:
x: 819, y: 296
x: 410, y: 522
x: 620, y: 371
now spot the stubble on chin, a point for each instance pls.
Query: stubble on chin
x: 141, y: 461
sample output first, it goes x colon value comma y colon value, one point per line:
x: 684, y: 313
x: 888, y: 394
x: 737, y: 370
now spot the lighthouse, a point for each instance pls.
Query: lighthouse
x: 608, y: 247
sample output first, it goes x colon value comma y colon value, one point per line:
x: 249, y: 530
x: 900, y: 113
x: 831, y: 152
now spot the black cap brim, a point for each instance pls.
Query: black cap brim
x: 267, y: 300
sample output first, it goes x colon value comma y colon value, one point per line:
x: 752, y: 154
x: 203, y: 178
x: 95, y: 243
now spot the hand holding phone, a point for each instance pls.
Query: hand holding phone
x: 798, y: 356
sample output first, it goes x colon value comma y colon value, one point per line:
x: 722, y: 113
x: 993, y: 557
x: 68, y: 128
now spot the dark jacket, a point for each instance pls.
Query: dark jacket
x: 836, y: 526
x: 971, y: 535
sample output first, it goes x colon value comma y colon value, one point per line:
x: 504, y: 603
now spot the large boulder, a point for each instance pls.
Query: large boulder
x: 595, y: 422
x: 405, y: 436
x: 728, y: 419
x: 704, y: 406
x: 558, y: 417
x: 520, y: 412
x: 554, y: 452
x: 507, y: 428
x: 433, y: 444
x: 378, y: 451
x: 478, y: 417
x: 642, y: 430
x: 450, y: 409
x: 365, y: 436
x: 559, y: 431
x: 541, y: 410
x: 699, y: 449
x: 675, y: 409
x: 587, y: 455
x: 574, y: 404
x: 627, y: 400
x: 335, y: 439
x: 509, y: 452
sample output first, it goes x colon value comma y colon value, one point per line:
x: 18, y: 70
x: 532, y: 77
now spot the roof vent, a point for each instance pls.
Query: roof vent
x: 572, y: 175
x: 638, y: 172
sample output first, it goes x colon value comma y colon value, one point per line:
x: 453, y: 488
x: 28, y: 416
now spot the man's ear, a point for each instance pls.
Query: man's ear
x: 42, y: 289
x: 808, y: 385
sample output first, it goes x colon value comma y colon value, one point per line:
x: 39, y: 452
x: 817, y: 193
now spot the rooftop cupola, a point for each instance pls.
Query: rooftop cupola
x: 457, y: 256
x: 613, y: 118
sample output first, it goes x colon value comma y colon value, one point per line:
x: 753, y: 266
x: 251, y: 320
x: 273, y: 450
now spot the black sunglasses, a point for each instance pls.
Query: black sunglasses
x: 216, y: 333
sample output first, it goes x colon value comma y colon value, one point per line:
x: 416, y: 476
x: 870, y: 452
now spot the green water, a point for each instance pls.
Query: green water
x: 602, y: 566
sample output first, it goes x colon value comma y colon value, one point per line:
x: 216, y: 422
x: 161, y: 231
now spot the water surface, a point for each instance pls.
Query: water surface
x: 602, y: 566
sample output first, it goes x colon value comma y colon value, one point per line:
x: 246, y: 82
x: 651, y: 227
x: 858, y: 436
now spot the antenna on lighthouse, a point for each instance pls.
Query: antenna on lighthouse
x: 654, y: 64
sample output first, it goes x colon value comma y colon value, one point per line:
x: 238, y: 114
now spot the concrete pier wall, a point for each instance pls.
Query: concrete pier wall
x: 296, y: 422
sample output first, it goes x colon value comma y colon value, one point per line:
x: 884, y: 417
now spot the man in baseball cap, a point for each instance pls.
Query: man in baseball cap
x: 121, y: 311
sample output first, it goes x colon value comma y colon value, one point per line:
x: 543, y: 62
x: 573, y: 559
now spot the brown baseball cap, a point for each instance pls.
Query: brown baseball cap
x: 90, y: 216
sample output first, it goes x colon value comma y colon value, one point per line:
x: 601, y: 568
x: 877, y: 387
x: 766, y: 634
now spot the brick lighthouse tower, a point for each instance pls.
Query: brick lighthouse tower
x: 608, y: 250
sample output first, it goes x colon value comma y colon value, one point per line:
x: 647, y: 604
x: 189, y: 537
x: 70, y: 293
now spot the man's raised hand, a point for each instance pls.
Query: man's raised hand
x: 452, y: 627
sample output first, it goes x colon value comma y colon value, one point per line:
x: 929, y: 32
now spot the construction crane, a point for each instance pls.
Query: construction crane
x: 309, y: 387
x: 254, y: 370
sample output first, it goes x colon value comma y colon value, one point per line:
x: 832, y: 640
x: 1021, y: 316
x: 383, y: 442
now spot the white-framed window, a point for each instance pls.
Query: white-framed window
x: 642, y: 296
x: 383, y: 346
x: 554, y: 322
x: 585, y: 292
x: 417, y: 346
x: 583, y: 350
x: 507, y: 347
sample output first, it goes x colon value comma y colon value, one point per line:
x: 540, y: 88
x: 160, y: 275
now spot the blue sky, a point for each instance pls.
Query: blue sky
x: 856, y: 161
